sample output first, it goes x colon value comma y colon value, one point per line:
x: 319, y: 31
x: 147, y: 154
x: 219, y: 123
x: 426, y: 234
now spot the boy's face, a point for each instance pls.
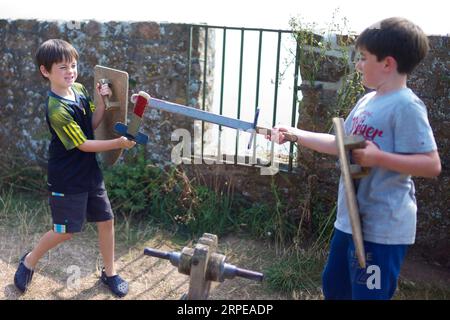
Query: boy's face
x: 373, y: 71
x: 62, y: 74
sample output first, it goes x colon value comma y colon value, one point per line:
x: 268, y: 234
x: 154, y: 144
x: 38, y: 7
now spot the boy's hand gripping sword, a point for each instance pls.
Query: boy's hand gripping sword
x: 131, y: 131
x: 106, y: 98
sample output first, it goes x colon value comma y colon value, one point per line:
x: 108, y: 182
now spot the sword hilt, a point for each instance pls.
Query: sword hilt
x: 106, y: 98
x: 255, y: 122
x: 139, y: 107
x: 287, y: 135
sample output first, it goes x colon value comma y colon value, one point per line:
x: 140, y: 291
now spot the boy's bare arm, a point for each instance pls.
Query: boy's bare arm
x: 97, y: 117
x: 106, y: 145
x: 320, y: 142
x: 421, y: 164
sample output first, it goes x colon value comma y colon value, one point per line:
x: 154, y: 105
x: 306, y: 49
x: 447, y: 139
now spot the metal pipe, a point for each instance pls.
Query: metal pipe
x: 222, y: 85
x: 205, y: 67
x: 240, y: 90
x: 240, y: 28
x: 294, y: 103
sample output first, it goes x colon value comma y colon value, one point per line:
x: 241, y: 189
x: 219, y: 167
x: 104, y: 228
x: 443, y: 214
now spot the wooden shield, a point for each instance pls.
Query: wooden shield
x: 117, y: 111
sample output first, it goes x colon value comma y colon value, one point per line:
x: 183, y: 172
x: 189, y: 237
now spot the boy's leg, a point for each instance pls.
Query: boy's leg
x: 109, y: 276
x: 68, y: 214
x: 48, y: 241
x: 379, y: 280
x: 99, y: 211
x: 106, y: 244
x: 24, y: 272
x: 335, y: 277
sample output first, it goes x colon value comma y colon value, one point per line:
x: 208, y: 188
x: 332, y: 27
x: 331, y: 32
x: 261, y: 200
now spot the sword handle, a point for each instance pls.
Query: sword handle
x: 105, y: 98
x: 255, y: 121
x: 287, y: 135
x: 140, y: 104
x: 290, y: 137
x: 139, y: 107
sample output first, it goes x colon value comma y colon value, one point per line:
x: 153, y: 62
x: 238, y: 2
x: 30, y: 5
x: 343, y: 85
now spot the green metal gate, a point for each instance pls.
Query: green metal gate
x: 224, y: 32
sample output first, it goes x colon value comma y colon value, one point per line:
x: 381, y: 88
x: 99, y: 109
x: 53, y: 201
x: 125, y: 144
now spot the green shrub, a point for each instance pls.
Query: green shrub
x: 167, y: 197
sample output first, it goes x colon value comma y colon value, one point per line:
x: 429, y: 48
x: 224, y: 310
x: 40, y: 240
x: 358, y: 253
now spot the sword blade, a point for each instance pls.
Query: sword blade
x: 200, y: 114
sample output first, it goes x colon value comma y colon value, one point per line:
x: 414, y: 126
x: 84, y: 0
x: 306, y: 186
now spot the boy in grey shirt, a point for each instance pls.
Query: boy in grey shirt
x: 399, y: 144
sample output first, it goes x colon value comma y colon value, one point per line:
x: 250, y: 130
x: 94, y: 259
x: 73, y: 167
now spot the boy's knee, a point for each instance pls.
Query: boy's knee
x: 106, y: 224
x: 68, y: 236
x: 64, y: 236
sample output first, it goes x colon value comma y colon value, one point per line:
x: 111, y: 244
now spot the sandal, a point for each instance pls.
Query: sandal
x: 23, y: 275
x: 116, y: 284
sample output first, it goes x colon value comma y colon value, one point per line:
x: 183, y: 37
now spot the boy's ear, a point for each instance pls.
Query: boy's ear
x: 390, y: 64
x: 44, y: 71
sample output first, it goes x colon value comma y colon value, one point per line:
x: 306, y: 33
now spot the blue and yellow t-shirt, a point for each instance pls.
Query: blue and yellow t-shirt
x: 71, y: 170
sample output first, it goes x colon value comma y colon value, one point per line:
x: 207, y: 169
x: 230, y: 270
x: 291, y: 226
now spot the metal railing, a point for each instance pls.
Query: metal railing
x: 238, y: 107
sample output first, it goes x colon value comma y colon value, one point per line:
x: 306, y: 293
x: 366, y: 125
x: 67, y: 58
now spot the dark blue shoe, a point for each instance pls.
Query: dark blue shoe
x: 23, y: 275
x: 116, y: 284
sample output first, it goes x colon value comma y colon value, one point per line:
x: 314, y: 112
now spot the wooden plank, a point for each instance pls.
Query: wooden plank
x: 117, y: 111
x: 350, y: 195
x: 198, y: 284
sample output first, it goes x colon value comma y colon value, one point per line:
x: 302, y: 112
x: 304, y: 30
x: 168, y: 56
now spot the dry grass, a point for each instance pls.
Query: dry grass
x: 149, y: 278
x: 22, y: 224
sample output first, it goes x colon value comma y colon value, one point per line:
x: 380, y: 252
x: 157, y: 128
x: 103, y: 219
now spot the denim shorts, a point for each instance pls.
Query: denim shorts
x: 70, y: 211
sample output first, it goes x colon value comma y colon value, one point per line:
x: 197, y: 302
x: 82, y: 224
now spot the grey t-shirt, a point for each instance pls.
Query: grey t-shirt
x: 396, y: 122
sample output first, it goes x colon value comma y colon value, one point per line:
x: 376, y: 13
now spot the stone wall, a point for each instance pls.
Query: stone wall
x: 431, y: 82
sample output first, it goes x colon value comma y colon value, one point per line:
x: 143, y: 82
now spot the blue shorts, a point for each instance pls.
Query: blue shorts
x: 70, y: 211
x: 342, y: 277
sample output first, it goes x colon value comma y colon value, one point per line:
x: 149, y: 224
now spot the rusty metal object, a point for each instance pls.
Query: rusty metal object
x: 203, y: 265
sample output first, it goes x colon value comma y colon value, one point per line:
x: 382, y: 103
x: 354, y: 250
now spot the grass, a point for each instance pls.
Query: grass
x: 168, y: 198
x: 297, y: 274
x: 31, y: 215
x: 132, y: 231
x: 24, y: 212
x: 413, y: 290
x: 294, y: 272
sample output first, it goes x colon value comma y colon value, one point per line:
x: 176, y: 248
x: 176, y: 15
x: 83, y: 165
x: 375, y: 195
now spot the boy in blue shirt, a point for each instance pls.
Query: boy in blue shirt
x: 75, y: 181
x: 399, y: 144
